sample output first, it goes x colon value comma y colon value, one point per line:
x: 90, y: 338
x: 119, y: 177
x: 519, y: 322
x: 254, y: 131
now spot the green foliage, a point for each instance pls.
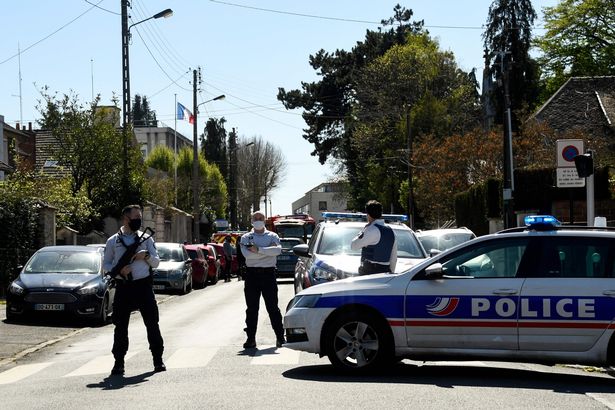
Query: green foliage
x: 579, y: 41
x: 161, y: 158
x: 142, y: 115
x: 471, y: 209
x: 213, y: 144
x: 509, y: 26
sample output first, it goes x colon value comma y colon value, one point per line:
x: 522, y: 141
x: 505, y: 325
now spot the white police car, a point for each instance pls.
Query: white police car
x: 543, y: 294
x: 328, y: 256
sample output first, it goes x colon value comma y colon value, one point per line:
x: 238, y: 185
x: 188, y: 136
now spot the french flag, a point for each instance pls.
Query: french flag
x: 184, y: 114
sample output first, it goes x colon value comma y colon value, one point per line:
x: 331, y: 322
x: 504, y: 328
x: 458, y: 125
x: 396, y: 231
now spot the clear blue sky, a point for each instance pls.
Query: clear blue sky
x: 244, y: 53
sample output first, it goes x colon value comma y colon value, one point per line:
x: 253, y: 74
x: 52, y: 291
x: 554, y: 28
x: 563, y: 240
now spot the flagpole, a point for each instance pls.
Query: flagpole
x: 175, y: 151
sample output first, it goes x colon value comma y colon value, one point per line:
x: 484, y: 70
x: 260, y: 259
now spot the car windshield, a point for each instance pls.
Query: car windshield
x: 288, y: 244
x: 64, y: 261
x: 445, y: 241
x: 290, y: 231
x: 170, y: 254
x: 336, y: 241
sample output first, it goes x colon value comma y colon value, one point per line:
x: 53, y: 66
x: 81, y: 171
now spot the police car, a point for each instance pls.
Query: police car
x: 328, y: 256
x: 542, y: 294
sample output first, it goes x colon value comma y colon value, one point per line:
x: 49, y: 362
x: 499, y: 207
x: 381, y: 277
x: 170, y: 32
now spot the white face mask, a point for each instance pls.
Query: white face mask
x: 258, y: 225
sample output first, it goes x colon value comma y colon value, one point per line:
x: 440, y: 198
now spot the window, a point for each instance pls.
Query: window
x: 493, y: 259
x: 322, y: 205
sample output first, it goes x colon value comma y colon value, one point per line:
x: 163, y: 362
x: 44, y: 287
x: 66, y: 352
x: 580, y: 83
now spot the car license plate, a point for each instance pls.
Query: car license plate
x: 283, y: 258
x: 49, y: 306
x: 158, y: 287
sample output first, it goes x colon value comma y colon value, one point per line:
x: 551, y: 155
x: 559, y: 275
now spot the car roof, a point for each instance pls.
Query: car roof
x: 443, y: 231
x: 73, y: 248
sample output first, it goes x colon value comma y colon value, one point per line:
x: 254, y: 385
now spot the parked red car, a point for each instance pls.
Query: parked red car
x: 200, y: 265
x: 220, y: 250
x: 213, y: 262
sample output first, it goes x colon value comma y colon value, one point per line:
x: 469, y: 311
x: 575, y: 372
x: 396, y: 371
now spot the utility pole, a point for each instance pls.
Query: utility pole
x: 410, y: 193
x: 125, y: 98
x: 232, y: 179
x: 196, y: 75
x: 509, y: 182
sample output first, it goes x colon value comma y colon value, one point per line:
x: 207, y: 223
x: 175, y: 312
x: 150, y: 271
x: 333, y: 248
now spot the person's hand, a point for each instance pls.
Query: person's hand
x: 253, y: 249
x: 125, y: 271
x: 141, y: 255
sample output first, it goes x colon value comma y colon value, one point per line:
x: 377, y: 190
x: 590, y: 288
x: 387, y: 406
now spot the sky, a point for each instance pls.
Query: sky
x: 246, y: 49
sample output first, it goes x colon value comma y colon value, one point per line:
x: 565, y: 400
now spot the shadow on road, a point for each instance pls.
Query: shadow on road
x: 119, y: 382
x: 452, y: 376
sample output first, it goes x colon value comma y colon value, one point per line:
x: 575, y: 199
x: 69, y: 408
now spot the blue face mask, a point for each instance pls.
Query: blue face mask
x: 258, y: 225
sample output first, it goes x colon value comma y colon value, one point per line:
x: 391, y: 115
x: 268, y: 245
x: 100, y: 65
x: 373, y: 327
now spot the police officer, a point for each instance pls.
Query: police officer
x: 228, y: 256
x: 261, y: 248
x: 133, y: 288
x: 377, y: 243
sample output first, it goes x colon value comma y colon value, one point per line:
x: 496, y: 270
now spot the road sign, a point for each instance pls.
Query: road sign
x: 566, y: 150
x: 568, y: 178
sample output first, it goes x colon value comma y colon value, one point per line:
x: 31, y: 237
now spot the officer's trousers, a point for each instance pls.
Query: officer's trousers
x: 130, y: 296
x: 262, y: 281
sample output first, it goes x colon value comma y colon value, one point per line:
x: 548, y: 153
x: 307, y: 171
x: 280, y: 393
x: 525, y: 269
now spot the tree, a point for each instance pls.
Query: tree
x: 262, y: 170
x: 90, y: 149
x: 161, y: 158
x: 213, y: 143
x: 508, y: 38
x: 579, y: 41
x: 142, y: 115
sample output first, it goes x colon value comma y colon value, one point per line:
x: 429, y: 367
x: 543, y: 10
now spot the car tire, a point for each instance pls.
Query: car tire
x: 10, y: 317
x: 358, y: 342
x: 190, y: 285
x: 103, y: 316
x: 214, y: 280
x: 184, y: 288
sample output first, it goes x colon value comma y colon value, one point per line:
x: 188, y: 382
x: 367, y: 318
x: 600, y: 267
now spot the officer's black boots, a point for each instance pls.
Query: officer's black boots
x: 159, y: 365
x: 280, y: 341
x: 118, y: 368
x: 250, y: 343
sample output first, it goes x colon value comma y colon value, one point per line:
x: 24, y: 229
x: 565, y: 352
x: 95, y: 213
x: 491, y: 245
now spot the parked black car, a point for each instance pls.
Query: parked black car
x: 62, y: 279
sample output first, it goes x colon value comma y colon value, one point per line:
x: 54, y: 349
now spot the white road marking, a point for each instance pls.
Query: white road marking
x: 605, y: 402
x: 190, y: 357
x: 98, y: 365
x: 21, y: 372
x: 458, y: 363
x: 279, y: 356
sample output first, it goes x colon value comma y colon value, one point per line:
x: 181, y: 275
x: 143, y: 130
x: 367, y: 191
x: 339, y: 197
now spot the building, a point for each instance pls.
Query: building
x: 149, y: 137
x: 328, y: 196
x: 585, y: 104
x: 15, y: 143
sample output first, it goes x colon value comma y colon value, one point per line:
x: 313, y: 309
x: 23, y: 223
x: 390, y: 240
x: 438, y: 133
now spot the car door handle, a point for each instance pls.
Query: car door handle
x: 609, y: 293
x: 503, y: 292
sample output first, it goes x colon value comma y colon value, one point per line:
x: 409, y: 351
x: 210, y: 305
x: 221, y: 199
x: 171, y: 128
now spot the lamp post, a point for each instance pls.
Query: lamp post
x: 196, y: 208
x: 126, y: 80
x: 233, y: 147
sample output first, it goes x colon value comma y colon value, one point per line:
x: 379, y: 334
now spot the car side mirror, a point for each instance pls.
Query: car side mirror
x: 434, y: 271
x: 434, y: 252
x: 301, y: 250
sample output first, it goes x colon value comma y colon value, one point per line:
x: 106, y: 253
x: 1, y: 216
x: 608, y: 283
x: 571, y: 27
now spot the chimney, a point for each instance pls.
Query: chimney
x: 29, y: 126
x: 17, y: 126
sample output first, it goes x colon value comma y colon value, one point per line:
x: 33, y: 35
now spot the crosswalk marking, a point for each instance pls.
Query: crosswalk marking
x: 277, y: 356
x: 21, y: 372
x: 98, y: 365
x: 190, y: 357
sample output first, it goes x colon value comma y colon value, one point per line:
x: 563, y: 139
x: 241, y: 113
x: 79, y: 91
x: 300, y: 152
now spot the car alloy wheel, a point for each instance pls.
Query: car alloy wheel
x: 357, y: 342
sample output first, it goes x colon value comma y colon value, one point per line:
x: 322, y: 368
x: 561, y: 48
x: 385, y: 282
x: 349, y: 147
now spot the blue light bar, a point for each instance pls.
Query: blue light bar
x: 541, y: 220
x: 359, y: 216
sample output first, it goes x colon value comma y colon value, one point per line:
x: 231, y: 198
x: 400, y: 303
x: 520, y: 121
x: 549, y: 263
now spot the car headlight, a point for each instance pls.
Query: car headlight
x: 304, y: 301
x: 15, y: 289
x: 321, y: 275
x: 88, y: 290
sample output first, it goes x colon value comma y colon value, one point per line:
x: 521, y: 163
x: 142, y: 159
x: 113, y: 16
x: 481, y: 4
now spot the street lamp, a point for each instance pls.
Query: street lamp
x: 196, y: 209
x: 126, y: 81
x: 233, y: 174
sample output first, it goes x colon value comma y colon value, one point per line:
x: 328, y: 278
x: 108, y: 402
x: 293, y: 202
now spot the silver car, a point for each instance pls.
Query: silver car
x: 175, y: 270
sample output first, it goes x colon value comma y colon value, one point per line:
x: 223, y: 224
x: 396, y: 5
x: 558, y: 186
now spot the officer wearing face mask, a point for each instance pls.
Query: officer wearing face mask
x: 260, y: 248
x: 133, y: 288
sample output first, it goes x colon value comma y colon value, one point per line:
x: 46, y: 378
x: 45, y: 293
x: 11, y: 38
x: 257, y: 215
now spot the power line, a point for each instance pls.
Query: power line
x: 98, y: 7
x: 51, y: 34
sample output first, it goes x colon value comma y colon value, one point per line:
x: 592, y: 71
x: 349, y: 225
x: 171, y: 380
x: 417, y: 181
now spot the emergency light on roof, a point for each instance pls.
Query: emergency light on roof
x: 359, y: 216
x: 541, y: 221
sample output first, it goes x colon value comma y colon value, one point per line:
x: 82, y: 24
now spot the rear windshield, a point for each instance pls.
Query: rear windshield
x: 170, y: 254
x: 64, y: 262
x: 445, y: 241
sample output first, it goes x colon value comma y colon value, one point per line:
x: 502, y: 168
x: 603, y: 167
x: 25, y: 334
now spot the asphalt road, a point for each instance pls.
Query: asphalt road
x: 208, y: 368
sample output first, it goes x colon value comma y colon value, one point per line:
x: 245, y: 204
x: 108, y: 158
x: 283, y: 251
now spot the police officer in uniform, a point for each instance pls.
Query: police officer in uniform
x: 261, y: 248
x: 133, y: 288
x: 377, y: 243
